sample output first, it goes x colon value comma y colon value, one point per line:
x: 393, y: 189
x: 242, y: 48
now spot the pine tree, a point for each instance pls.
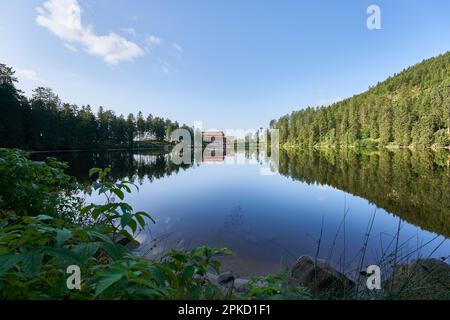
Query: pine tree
x: 386, y: 126
x: 11, y: 125
x: 402, y: 125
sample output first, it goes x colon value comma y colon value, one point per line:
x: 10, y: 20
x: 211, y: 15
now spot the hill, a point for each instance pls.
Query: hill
x: 411, y: 108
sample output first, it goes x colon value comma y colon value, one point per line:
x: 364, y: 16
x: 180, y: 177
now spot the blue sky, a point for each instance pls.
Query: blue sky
x: 228, y: 63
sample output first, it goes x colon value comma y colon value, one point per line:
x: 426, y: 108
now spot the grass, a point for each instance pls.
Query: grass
x: 406, y: 273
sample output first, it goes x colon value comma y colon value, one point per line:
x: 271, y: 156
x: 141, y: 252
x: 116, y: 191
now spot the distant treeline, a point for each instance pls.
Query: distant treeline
x: 43, y: 122
x: 409, y: 109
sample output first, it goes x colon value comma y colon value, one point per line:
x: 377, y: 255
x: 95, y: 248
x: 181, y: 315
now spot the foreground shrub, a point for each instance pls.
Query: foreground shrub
x: 36, y: 251
x: 30, y: 188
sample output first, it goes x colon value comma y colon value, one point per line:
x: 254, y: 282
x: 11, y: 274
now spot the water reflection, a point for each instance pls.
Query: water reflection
x: 133, y: 166
x: 413, y: 185
x: 269, y: 221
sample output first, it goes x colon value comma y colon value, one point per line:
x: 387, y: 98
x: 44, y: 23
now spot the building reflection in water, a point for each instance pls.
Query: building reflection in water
x: 216, y: 148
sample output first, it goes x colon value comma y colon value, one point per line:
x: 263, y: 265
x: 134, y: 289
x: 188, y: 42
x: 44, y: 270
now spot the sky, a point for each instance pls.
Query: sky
x: 232, y: 64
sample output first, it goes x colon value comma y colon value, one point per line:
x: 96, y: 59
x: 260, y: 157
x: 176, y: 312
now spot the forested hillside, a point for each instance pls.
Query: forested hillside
x: 408, y: 109
x: 43, y: 122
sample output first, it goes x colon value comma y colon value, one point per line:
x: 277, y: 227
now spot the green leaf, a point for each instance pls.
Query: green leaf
x: 133, y: 225
x: 118, y: 193
x: 127, y: 188
x: 94, y: 171
x: 65, y: 255
x: 125, y: 207
x: 128, y: 235
x: 43, y: 217
x: 115, y: 251
x: 108, y: 278
x: 158, y: 275
x: 145, y: 214
x: 87, y: 209
x: 9, y: 260
x: 215, y: 265
x: 187, y: 274
x: 62, y: 235
x: 170, y: 275
x: 87, y: 250
x: 96, y: 234
x: 227, y: 252
x: 194, y: 292
x: 125, y: 219
x: 32, y: 262
x: 140, y: 220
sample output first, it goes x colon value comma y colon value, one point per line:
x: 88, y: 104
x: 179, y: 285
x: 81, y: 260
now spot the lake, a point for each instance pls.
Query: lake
x: 349, y: 208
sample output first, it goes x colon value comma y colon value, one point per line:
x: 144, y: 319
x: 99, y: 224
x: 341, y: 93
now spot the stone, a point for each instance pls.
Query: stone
x: 321, y: 279
x: 130, y: 244
x: 225, y: 283
x: 226, y: 278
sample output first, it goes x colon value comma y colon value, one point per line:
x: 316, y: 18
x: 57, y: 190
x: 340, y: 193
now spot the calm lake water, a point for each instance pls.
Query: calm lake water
x: 316, y: 203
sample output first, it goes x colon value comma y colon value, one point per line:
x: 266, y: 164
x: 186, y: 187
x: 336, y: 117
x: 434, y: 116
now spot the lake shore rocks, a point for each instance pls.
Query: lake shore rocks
x: 227, y: 280
x: 131, y: 244
x: 417, y: 280
x: 320, y: 278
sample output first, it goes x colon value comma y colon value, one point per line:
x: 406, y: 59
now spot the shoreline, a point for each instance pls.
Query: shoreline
x: 156, y: 147
x: 375, y: 148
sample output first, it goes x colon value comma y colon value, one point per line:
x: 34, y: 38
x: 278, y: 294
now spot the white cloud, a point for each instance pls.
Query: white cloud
x: 165, y: 70
x: 70, y: 47
x: 131, y: 31
x: 151, y: 39
x: 63, y: 18
x: 28, y: 74
x: 177, y: 47
x: 328, y: 102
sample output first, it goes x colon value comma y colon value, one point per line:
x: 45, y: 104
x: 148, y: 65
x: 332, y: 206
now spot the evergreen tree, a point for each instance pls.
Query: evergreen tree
x: 402, y: 125
x: 131, y: 129
x: 11, y: 125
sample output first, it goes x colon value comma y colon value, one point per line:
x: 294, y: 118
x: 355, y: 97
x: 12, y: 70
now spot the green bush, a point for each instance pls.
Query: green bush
x: 274, y: 287
x: 31, y: 188
x: 36, y: 251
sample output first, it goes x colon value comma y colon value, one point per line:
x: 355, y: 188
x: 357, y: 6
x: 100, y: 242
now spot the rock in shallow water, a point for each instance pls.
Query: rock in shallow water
x: 320, y: 278
x: 226, y: 278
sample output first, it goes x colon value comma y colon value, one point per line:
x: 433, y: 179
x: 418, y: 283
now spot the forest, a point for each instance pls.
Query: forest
x: 409, y: 109
x: 44, y: 123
